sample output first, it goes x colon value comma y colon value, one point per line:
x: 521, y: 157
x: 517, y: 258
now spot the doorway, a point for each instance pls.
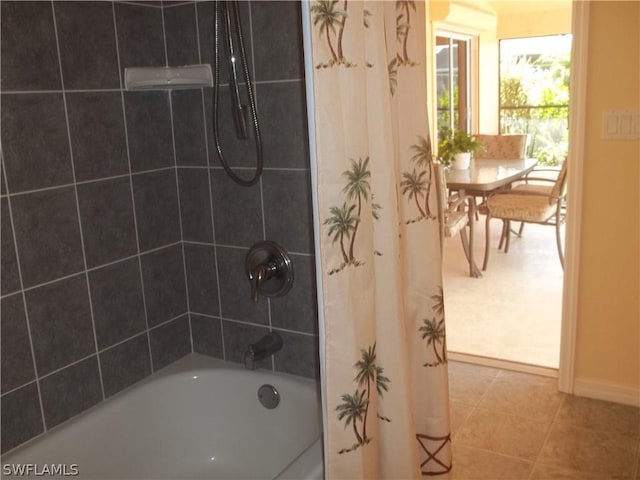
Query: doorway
x: 487, y: 335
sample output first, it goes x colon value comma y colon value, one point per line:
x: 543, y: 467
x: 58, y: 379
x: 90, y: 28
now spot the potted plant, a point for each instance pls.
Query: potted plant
x: 455, y: 148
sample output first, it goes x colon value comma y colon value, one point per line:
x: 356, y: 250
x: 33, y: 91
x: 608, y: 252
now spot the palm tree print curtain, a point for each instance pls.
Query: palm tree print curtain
x: 385, y: 350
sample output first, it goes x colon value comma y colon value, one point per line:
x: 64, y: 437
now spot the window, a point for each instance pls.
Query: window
x: 453, y: 82
x: 534, y: 93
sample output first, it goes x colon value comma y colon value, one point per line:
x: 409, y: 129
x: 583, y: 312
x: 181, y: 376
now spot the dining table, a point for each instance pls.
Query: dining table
x: 484, y: 176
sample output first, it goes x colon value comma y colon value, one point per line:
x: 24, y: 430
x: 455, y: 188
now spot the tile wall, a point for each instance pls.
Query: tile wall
x: 123, y: 241
x: 220, y: 219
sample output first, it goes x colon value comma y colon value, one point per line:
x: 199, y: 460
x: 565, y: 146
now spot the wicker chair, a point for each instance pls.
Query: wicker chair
x: 455, y: 213
x: 502, y: 147
x: 539, y: 181
x: 499, y: 147
x: 539, y: 206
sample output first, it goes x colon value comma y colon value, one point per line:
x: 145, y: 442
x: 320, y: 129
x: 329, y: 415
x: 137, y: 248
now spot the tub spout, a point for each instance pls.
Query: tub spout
x: 266, y: 346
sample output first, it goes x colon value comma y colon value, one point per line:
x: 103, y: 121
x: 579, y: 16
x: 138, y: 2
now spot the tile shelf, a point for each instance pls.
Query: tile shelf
x: 168, y: 78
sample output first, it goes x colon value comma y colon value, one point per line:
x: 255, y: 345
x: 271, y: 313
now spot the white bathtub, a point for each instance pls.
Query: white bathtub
x: 197, y: 418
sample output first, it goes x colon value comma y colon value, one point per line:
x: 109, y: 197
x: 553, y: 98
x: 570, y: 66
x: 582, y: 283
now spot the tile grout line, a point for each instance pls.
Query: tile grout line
x: 97, y: 267
x: 253, y: 324
x: 184, y: 255
x: 24, y: 301
x: 504, y: 455
x: 240, y: 247
x: 475, y: 406
x: 123, y: 89
x: 213, y: 227
x: 195, y: 16
x: 175, y: 164
x: 179, y: 4
x: 75, y: 189
x: 44, y: 284
x: 548, y: 434
x: 85, y: 182
x: 270, y: 169
x: 261, y: 183
x: 133, y: 199
x: 100, y: 351
x: 139, y: 4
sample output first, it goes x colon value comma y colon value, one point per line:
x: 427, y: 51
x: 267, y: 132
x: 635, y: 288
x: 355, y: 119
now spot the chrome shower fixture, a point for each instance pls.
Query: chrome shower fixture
x: 227, y: 18
x: 269, y: 270
x: 238, y: 109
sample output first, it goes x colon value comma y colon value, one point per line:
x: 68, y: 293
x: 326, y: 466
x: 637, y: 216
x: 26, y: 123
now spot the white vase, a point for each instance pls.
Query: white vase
x: 461, y: 161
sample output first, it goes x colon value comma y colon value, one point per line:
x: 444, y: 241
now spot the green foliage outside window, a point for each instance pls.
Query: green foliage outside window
x: 444, y: 114
x: 534, y: 99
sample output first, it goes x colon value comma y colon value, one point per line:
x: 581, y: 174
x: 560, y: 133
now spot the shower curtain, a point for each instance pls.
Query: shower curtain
x: 385, y: 352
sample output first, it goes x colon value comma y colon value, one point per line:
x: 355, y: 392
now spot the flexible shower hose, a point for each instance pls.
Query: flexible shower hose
x: 254, y: 116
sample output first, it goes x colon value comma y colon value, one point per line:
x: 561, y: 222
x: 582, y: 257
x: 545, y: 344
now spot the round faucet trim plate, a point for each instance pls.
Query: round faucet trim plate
x: 269, y: 270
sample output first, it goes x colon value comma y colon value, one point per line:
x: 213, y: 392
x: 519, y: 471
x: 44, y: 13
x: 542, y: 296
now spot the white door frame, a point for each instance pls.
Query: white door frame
x: 577, y: 114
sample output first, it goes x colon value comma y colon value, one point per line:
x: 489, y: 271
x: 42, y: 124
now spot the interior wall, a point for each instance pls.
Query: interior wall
x: 547, y: 19
x: 608, y: 330
x: 123, y: 241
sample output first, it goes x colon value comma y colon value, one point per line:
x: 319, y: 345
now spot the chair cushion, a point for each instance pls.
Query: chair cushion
x: 530, y: 188
x: 526, y: 208
x: 454, y: 222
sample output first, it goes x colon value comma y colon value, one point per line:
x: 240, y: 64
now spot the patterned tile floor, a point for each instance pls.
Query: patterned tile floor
x: 516, y: 426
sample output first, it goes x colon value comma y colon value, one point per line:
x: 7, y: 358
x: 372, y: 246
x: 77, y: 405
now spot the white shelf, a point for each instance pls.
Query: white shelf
x: 167, y: 78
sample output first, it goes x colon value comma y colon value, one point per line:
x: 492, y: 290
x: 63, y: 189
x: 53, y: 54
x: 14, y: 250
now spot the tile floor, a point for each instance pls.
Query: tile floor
x: 514, y: 311
x: 509, y: 425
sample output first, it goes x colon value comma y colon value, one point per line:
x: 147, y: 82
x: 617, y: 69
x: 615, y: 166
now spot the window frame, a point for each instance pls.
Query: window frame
x: 465, y: 111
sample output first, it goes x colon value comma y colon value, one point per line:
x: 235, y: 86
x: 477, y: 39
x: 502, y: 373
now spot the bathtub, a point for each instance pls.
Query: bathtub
x: 197, y: 418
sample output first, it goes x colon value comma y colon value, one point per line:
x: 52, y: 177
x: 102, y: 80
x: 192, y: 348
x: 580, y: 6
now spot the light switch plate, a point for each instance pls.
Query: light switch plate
x: 621, y: 125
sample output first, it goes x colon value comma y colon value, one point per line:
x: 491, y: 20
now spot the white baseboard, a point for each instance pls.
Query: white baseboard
x: 607, y: 391
x: 598, y: 390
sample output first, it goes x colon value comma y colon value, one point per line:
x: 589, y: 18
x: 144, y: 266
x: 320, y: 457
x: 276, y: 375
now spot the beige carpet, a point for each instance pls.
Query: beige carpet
x: 514, y: 312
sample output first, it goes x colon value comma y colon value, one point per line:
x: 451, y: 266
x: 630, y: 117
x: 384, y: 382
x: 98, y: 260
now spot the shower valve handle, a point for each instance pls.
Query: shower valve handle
x: 269, y: 270
x: 259, y: 275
